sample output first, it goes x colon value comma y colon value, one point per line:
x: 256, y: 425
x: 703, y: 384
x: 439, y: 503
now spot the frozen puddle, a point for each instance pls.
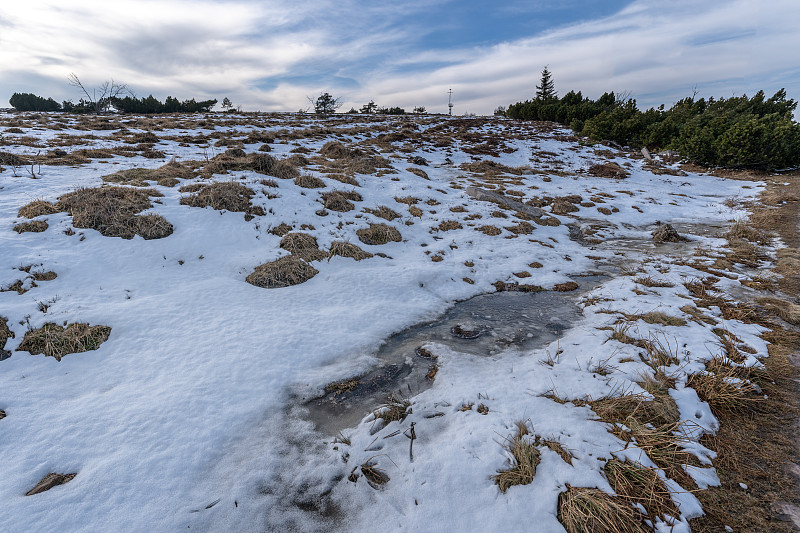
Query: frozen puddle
x: 484, y: 325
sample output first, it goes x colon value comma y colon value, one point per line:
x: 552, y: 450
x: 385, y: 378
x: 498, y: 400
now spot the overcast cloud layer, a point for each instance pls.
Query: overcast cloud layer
x: 271, y: 55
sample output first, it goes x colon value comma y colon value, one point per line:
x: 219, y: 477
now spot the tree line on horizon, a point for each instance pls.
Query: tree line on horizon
x: 737, y: 132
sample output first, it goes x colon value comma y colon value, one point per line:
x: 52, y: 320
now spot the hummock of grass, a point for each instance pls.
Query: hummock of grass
x: 346, y: 249
x: 5, y: 332
x: 608, y: 170
x: 224, y: 196
x: 283, y: 272
x: 590, y: 510
x: 113, y: 212
x: 523, y: 458
x: 340, y: 201
x: 34, y: 226
x: 166, y: 175
x: 57, y: 341
x: 303, y: 246
x: 383, y: 212
x: 641, y: 485
x: 378, y: 234
x: 658, y: 317
x: 36, y: 208
x: 309, y: 182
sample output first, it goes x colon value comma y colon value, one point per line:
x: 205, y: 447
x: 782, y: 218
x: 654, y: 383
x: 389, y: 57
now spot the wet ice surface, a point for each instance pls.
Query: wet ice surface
x: 493, y: 322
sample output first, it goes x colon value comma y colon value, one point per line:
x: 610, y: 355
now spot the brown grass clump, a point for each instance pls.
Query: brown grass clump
x: 224, y: 196
x: 658, y: 317
x: 523, y: 458
x: 281, y: 229
x: 113, y: 211
x: 565, y: 287
x: 415, y: 211
x: 309, y: 182
x: 34, y: 226
x: 523, y: 228
x: 340, y: 200
x: 649, y: 281
x: 489, y: 230
x: 786, y: 310
x: 5, y: 332
x: 589, y: 510
x: 57, y: 341
x: 346, y: 249
x: 303, y: 246
x: 419, y: 172
x: 36, y: 208
x: 408, y: 200
x: 283, y: 272
x: 334, y: 150
x: 724, y: 389
x: 49, y: 481
x: 378, y: 234
x: 608, y: 170
x: 394, y: 410
x: 284, y: 169
x: 167, y: 175
x: 449, y: 225
x: 641, y: 485
x: 384, y: 212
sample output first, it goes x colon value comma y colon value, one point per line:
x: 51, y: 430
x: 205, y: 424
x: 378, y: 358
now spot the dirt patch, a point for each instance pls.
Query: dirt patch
x: 113, y: 211
x: 283, y: 272
x: 378, y: 234
x: 224, y: 196
x: 57, y: 341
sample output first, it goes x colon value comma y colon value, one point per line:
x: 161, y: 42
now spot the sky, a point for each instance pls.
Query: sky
x: 273, y: 55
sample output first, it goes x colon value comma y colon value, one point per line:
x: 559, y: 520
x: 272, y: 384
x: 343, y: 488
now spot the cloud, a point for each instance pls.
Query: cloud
x: 272, y: 55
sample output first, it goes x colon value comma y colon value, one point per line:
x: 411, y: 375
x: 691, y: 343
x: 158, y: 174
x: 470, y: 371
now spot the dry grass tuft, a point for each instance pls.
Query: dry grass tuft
x: 309, y: 182
x: 523, y: 458
x: 590, y: 510
x: 394, y: 410
x: 649, y: 281
x: 334, y: 150
x: 36, y: 208
x: 384, y: 212
x: 449, y: 225
x: 565, y: 287
x: 786, y: 310
x: 57, y: 341
x: 346, y: 249
x: 489, y: 230
x: 5, y: 332
x: 113, y: 212
x: 49, y: 481
x: 303, y: 246
x: 167, y: 175
x: 34, y: 226
x: 340, y: 200
x: 724, y: 389
x: 283, y: 272
x: 658, y: 317
x: 374, y: 475
x: 281, y: 229
x: 556, y: 447
x: 608, y: 170
x: 378, y: 234
x: 224, y: 196
x: 640, y: 485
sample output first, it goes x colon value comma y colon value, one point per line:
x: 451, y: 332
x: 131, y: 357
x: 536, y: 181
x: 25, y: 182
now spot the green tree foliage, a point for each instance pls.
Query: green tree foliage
x: 391, y: 111
x: 326, y: 104
x: 737, y: 132
x: 546, y: 90
x: 31, y: 102
x: 151, y: 105
x: 369, y: 108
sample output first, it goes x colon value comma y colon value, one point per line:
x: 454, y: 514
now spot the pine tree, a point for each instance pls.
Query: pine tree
x: 547, y: 89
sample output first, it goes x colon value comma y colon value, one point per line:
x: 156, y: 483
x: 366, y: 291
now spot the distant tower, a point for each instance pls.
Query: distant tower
x: 450, y: 101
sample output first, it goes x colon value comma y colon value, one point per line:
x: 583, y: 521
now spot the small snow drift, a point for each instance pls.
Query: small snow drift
x: 113, y: 211
x: 57, y: 341
x: 283, y: 272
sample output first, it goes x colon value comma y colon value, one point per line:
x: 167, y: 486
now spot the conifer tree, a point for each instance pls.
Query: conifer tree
x: 546, y: 90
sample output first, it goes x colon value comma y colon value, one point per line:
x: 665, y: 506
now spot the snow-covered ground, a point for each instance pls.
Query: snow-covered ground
x: 190, y: 402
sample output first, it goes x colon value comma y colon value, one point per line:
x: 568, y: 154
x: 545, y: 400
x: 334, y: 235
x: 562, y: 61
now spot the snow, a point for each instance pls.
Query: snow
x: 190, y: 399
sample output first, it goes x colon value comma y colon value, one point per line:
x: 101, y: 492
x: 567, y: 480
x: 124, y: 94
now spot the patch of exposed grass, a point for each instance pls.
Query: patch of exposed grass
x: 378, y: 234
x: 346, y: 249
x: 565, y: 287
x: 608, y: 170
x: 489, y: 230
x: 303, y: 246
x: 36, y: 208
x: 337, y: 388
x: 394, y: 410
x: 283, y: 272
x: 5, y: 332
x: 786, y: 310
x: 383, y: 212
x: 167, y: 175
x: 523, y: 458
x: 34, y: 226
x: 281, y: 229
x: 57, y: 341
x: 113, y: 211
x: 659, y: 317
x: 49, y: 481
x: 590, y: 510
x: 449, y: 225
x: 642, y: 486
x: 340, y: 200
x: 224, y: 196
x: 649, y: 281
